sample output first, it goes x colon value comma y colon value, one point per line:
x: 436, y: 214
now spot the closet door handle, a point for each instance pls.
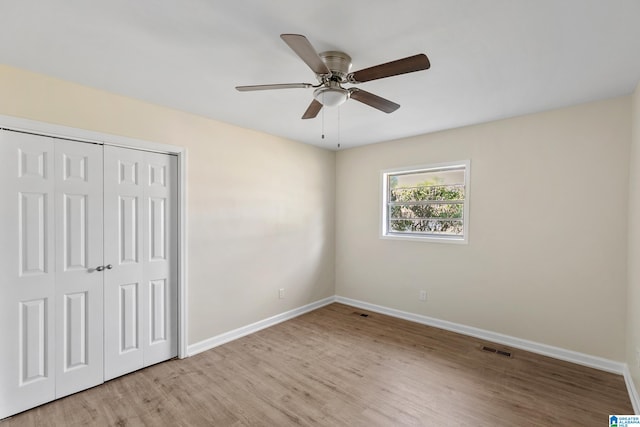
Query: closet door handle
x: 99, y: 268
x: 109, y: 267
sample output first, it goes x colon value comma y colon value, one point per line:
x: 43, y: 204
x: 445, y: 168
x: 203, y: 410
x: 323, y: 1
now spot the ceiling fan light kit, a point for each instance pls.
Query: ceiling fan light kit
x: 333, y: 69
x: 331, y: 95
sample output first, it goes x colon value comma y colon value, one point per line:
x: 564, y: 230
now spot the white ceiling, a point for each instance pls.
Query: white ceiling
x: 490, y: 59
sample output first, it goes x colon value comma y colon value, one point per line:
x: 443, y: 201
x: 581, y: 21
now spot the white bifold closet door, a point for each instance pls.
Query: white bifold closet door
x: 78, y: 210
x: 141, y: 244
x: 27, y: 272
x: 88, y: 265
x: 51, y: 296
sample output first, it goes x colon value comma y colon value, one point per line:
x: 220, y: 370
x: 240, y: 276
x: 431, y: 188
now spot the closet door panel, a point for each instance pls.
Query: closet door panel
x: 123, y: 219
x: 160, y: 258
x: 141, y: 242
x: 27, y: 278
x: 79, y: 253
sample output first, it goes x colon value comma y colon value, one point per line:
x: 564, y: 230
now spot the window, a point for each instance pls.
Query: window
x: 428, y: 202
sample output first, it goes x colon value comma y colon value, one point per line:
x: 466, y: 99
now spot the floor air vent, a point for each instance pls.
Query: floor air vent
x: 496, y: 351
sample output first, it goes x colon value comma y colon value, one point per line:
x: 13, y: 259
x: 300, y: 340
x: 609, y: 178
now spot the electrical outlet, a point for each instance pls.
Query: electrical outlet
x: 281, y: 293
x: 423, y: 295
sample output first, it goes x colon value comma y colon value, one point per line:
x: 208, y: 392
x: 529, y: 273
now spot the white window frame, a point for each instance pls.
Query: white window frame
x: 434, y: 238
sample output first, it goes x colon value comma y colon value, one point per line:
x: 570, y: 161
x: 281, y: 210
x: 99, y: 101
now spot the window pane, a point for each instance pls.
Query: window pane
x: 427, y: 192
x: 426, y: 226
x: 437, y: 177
x: 437, y: 210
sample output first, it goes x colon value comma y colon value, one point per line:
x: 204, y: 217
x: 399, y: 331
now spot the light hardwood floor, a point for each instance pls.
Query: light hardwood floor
x: 334, y: 367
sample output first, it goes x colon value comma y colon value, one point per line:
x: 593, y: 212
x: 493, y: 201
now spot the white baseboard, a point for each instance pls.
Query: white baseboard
x: 631, y: 388
x: 226, y: 337
x: 534, y: 347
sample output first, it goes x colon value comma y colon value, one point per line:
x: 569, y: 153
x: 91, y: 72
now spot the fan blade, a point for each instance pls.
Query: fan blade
x: 312, y: 110
x: 374, y: 101
x: 401, y: 66
x: 275, y: 86
x: 301, y: 46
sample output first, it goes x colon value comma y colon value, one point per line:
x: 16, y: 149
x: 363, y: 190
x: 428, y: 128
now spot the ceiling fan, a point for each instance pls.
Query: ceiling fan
x: 332, y: 69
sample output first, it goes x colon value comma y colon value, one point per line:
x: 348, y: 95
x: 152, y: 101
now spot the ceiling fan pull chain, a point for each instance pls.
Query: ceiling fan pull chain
x: 339, y: 127
x: 323, y: 119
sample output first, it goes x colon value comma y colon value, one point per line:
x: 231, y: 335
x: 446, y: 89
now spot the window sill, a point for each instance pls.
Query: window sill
x: 426, y: 239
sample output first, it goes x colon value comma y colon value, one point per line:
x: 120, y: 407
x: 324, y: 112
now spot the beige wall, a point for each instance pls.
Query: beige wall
x: 633, y: 296
x: 546, y: 259
x: 260, y: 208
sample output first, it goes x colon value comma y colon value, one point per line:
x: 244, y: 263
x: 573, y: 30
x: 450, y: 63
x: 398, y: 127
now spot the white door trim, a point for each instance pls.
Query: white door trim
x: 75, y: 134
